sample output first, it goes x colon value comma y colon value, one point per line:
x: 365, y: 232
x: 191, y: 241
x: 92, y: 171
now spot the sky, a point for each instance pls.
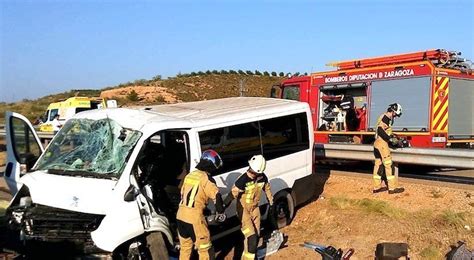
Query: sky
x: 49, y: 47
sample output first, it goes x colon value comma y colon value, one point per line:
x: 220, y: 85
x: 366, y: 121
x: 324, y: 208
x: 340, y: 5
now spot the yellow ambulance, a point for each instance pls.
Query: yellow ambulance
x: 71, y: 106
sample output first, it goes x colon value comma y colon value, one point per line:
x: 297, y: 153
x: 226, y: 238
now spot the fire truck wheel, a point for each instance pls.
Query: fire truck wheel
x: 283, y: 209
x: 157, y: 246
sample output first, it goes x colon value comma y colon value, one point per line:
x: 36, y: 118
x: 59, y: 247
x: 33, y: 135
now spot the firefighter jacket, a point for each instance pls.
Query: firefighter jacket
x: 248, y: 191
x: 384, y: 128
x: 198, y: 187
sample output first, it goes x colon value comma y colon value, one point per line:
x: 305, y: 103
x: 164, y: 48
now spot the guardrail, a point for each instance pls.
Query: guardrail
x: 455, y: 158
x: 44, y: 136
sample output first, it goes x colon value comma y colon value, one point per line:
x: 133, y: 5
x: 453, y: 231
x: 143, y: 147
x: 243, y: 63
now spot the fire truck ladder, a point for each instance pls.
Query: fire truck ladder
x: 440, y: 58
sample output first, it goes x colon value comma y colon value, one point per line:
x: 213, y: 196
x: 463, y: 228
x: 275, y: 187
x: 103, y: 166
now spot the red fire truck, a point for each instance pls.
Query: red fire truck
x: 434, y: 87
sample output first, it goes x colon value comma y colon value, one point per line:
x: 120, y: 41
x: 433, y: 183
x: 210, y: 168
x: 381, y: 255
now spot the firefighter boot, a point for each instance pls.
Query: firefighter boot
x: 396, y: 190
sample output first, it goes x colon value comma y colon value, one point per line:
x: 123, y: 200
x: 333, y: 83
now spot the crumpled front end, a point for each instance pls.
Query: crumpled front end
x: 41, y: 227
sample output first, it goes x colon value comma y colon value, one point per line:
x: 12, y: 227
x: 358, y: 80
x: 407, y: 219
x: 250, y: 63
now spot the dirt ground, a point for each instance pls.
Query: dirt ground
x: 148, y: 94
x: 347, y: 214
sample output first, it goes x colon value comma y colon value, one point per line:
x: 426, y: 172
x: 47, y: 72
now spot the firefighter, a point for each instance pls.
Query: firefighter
x: 198, y: 187
x: 247, y: 190
x: 383, y: 137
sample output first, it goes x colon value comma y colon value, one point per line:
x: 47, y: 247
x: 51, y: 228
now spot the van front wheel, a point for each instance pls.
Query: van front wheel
x: 283, y: 209
x: 157, y: 246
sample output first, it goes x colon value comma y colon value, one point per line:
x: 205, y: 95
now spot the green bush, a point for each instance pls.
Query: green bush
x: 249, y: 72
x: 282, y: 74
x: 160, y: 99
x: 156, y: 78
x: 265, y: 73
x: 274, y: 74
x: 232, y: 72
x: 140, y: 82
x: 258, y: 72
x: 241, y: 72
x: 133, y: 95
x: 208, y: 72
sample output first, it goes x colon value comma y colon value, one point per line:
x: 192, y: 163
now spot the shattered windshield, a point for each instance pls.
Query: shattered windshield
x: 96, y: 148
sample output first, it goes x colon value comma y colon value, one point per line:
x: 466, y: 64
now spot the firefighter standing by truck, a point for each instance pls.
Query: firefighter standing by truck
x: 247, y: 190
x: 383, y: 138
x: 198, y: 187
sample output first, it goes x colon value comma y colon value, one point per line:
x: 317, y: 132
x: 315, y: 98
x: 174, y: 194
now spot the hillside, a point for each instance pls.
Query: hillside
x: 144, y: 92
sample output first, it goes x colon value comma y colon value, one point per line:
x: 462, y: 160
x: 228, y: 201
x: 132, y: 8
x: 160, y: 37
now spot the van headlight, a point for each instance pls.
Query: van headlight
x: 25, y: 201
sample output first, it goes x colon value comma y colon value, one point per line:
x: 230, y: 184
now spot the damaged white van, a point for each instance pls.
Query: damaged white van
x: 108, y: 183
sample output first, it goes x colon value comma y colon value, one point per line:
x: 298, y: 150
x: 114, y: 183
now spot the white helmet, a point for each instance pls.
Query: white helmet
x: 257, y: 163
x: 396, y: 108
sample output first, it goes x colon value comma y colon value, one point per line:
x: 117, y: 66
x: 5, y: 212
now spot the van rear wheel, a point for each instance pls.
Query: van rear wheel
x: 157, y: 246
x: 283, y: 209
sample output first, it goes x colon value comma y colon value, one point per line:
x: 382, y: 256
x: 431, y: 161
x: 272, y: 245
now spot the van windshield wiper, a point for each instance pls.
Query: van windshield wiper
x: 83, y: 174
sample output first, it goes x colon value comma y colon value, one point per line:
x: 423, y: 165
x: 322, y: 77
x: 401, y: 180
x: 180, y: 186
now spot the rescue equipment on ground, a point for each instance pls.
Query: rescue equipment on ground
x: 329, y: 252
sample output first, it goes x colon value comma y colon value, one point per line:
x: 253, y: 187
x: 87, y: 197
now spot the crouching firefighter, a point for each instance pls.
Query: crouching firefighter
x: 198, y: 187
x: 383, y: 137
x: 247, y: 190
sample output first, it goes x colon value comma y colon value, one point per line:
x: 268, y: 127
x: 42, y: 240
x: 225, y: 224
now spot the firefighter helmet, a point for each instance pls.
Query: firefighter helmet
x: 213, y: 157
x: 395, y: 108
x: 257, y: 164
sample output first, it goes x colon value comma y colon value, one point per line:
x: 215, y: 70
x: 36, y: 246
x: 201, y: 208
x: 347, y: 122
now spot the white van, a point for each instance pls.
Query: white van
x: 109, y: 180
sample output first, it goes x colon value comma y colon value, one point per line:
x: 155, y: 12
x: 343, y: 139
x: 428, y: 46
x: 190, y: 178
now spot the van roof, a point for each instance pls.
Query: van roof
x: 196, y: 114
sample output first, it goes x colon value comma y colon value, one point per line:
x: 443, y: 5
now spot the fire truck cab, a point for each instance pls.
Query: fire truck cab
x: 434, y: 87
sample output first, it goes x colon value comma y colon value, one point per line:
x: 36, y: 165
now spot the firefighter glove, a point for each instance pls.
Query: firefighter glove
x: 221, y: 217
x: 394, y: 141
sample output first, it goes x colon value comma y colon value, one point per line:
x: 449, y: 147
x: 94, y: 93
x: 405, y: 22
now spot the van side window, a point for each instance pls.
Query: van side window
x: 25, y: 146
x: 242, y: 142
x: 235, y: 144
x: 211, y: 138
x: 284, y: 135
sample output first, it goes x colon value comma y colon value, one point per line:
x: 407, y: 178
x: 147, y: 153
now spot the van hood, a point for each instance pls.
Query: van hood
x: 81, y: 194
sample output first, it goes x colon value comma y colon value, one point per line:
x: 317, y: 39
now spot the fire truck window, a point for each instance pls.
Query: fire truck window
x: 291, y: 92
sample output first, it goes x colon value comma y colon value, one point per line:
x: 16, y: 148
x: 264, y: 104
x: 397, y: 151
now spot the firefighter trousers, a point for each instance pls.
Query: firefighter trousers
x: 383, y: 157
x: 250, y: 226
x: 195, y: 233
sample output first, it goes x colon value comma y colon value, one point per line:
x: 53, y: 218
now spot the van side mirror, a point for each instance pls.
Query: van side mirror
x: 130, y: 194
x: 27, y: 161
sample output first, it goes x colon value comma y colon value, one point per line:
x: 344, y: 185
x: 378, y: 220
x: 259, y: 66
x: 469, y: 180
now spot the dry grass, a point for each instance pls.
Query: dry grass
x: 436, y: 193
x: 431, y: 252
x: 381, y: 207
x: 369, y: 206
x: 453, y: 219
x: 341, y: 202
